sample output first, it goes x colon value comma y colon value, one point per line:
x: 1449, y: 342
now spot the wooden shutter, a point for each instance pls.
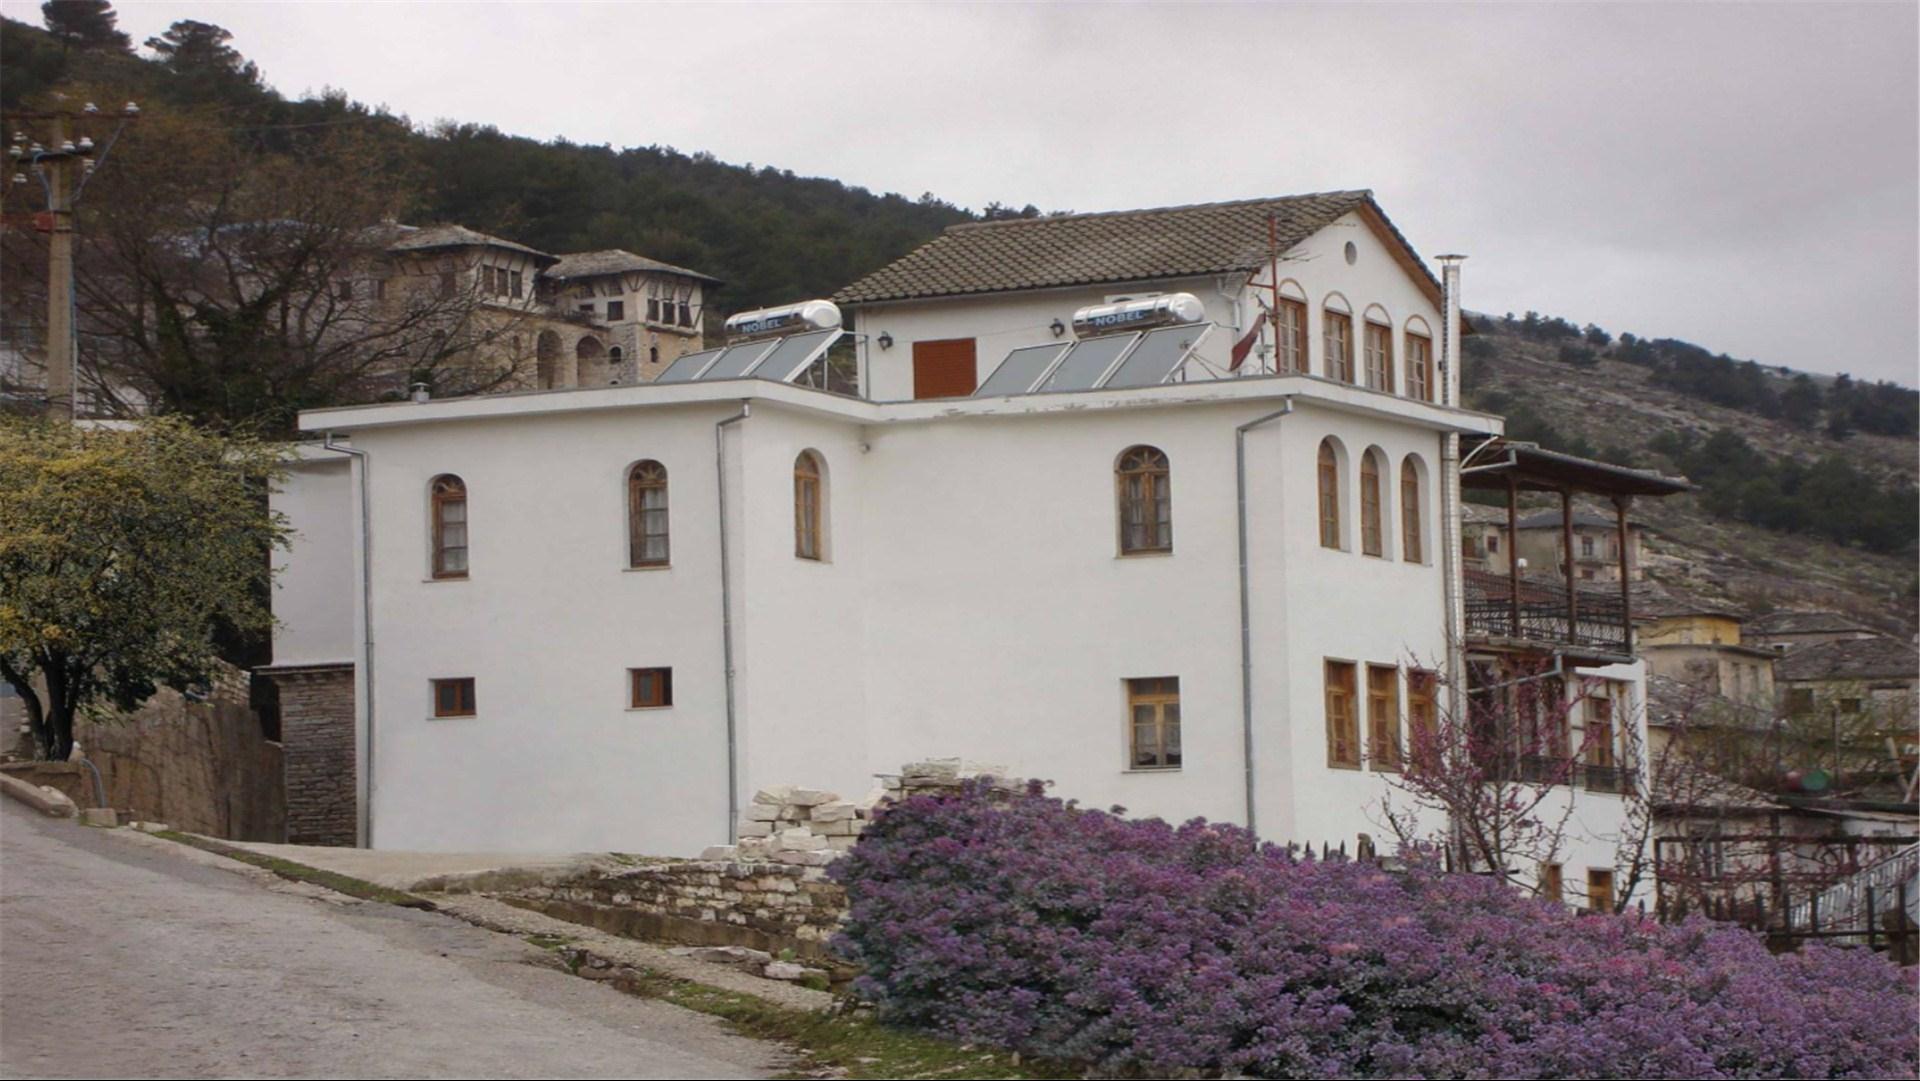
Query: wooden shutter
x: 944, y: 369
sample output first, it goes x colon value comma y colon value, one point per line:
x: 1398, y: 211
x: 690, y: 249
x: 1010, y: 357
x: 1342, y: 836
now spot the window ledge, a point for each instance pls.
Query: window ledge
x: 1146, y: 553
x: 431, y: 580
x: 648, y: 567
x: 454, y: 717
x: 1152, y: 769
x: 648, y: 709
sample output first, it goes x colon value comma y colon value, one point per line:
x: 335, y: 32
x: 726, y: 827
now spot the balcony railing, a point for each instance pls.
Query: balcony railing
x: 1540, y: 612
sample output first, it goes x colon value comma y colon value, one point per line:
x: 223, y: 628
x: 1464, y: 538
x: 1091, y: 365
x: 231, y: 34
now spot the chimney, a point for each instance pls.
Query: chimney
x: 420, y: 394
x: 1450, y: 334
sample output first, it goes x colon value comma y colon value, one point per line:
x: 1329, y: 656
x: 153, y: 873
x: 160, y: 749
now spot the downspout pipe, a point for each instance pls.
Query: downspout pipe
x: 726, y: 619
x: 1454, y: 571
x: 1246, y: 602
x: 366, y: 620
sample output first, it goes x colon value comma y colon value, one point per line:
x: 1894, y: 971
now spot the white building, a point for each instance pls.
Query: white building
x: 601, y: 618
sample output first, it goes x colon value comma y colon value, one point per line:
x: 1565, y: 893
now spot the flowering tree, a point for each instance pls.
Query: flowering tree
x: 1144, y: 949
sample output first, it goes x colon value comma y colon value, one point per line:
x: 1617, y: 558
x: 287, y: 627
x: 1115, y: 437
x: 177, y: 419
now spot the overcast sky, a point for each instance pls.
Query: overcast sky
x: 1742, y: 176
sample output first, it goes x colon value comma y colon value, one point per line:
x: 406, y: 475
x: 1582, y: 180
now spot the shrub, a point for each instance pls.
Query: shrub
x: 1141, y: 947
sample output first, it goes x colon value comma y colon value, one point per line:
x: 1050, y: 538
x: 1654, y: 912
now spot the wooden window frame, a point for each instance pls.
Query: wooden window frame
x: 1383, y: 717
x: 1598, y: 731
x: 1155, y: 693
x: 1299, y: 363
x: 661, y: 696
x: 1327, y: 466
x: 1600, y: 889
x: 809, y: 533
x: 1419, y: 366
x: 1343, y: 721
x: 1373, y: 537
x: 643, y: 477
x: 1337, y: 336
x: 1412, y: 544
x: 1551, y: 884
x: 453, y: 697
x: 1143, y: 486
x: 448, y: 489
x: 1423, y: 710
x: 1384, y: 331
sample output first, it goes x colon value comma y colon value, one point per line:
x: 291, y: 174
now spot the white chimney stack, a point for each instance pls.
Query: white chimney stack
x: 1450, y: 336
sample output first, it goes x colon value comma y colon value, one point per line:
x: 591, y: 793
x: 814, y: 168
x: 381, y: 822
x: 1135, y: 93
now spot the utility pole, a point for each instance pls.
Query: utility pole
x: 63, y: 165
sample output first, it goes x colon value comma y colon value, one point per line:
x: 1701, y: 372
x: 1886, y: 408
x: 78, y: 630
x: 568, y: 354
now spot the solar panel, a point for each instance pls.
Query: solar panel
x: 1087, y: 362
x: 687, y: 368
x: 737, y: 361
x: 1157, y: 355
x: 796, y: 354
x: 1021, y: 370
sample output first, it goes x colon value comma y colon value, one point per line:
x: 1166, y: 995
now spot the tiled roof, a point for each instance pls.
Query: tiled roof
x: 1550, y: 519
x: 587, y: 264
x: 1656, y: 600
x: 1850, y: 658
x: 430, y: 237
x: 1785, y: 622
x: 1116, y: 246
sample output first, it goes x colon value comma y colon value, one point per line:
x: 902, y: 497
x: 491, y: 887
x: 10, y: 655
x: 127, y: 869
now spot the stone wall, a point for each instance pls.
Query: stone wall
x: 317, y: 734
x: 199, y: 763
x: 770, y: 892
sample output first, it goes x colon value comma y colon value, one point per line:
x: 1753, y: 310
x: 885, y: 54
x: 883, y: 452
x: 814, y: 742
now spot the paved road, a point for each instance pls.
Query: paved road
x: 123, y: 958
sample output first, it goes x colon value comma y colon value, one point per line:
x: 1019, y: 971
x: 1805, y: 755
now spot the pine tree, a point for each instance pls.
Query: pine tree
x: 85, y: 24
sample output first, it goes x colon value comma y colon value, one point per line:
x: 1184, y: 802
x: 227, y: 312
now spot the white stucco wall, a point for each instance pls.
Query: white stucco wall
x: 314, y: 586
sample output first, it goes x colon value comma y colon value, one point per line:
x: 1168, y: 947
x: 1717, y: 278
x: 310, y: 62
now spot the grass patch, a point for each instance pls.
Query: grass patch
x: 852, y: 1046
x: 300, y: 872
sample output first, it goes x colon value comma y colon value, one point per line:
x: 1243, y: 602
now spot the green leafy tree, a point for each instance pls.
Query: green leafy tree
x: 122, y: 552
x: 201, y: 66
x: 85, y: 24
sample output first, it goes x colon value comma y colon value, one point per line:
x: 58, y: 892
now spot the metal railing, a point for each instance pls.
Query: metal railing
x: 1853, y: 909
x: 1599, y: 621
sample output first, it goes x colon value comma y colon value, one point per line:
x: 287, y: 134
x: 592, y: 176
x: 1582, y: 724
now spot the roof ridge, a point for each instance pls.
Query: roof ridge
x: 1218, y: 205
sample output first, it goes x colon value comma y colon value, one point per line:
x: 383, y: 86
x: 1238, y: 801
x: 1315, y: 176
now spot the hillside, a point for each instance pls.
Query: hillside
x: 1807, y: 497
x: 1595, y: 402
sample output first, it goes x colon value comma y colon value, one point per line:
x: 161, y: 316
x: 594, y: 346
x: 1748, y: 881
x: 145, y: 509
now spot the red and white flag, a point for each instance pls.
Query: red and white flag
x: 1245, y: 346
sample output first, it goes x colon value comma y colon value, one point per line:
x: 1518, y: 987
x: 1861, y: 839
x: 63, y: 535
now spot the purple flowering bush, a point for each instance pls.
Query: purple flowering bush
x: 1141, y: 947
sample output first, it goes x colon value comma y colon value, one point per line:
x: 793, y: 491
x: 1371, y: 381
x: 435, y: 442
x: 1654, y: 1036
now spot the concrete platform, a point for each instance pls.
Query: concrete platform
x: 437, y: 872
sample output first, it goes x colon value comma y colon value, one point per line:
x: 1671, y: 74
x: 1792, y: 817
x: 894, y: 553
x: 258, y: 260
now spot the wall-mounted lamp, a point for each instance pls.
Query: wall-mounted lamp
x: 1058, y: 328
x: 886, y: 340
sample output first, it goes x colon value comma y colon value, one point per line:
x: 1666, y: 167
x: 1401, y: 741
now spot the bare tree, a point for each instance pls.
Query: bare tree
x: 237, y: 283
x: 1493, y: 788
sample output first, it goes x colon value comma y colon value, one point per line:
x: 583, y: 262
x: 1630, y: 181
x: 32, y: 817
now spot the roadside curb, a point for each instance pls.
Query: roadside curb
x: 48, y: 801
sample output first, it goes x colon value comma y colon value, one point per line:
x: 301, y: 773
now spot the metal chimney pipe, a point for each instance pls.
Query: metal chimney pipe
x: 1450, y: 337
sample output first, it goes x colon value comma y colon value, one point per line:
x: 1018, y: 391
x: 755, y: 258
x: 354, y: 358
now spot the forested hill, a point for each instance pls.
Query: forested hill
x: 770, y: 235
x: 1806, y: 483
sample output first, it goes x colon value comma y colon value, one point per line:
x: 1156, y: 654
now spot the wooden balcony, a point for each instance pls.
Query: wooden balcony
x: 1537, y: 612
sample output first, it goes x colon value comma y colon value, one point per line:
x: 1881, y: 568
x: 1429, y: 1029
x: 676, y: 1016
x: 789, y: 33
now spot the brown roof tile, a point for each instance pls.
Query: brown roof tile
x: 1849, y: 659
x: 1116, y: 246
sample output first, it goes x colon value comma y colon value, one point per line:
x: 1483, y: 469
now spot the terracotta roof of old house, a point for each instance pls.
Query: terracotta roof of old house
x: 587, y: 264
x: 1850, y: 658
x: 1550, y: 519
x: 1117, y: 246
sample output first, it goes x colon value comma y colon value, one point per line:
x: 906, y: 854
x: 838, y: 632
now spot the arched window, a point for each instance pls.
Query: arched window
x: 1146, y: 501
x: 1337, y: 330
x: 1329, y: 495
x: 1371, y: 543
x: 807, y: 507
x: 449, y: 527
x: 1411, y: 549
x: 1419, y: 360
x: 647, y: 515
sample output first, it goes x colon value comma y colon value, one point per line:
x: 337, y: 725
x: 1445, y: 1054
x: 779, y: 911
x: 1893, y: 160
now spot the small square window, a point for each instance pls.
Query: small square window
x: 453, y: 697
x: 649, y: 688
x: 616, y: 311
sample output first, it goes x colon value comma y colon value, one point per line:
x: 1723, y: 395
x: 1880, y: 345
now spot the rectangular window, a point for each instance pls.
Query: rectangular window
x: 1379, y: 356
x: 446, y: 284
x: 1343, y: 727
x: 1599, y: 889
x: 1420, y: 367
x: 515, y: 280
x: 1292, y: 345
x: 649, y: 688
x: 1552, y: 883
x: 1422, y: 713
x: 1586, y: 548
x: 1339, y: 346
x: 653, y: 309
x: 453, y: 697
x: 616, y: 310
x: 1383, y: 716
x: 1799, y: 701
x: 1153, y: 709
x: 586, y: 309
x: 686, y: 314
x: 379, y: 288
x: 1599, y: 735
x: 343, y: 289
